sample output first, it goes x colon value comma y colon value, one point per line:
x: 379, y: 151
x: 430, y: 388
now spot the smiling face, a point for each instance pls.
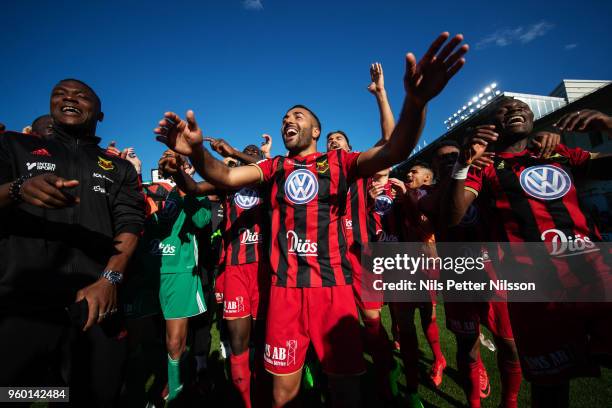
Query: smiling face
x: 75, y: 106
x: 299, y: 130
x: 337, y: 141
x: 513, y: 120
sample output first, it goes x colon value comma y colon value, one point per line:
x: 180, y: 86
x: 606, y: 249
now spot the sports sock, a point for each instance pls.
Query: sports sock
x: 510, y: 373
x: 470, y: 374
x: 430, y: 327
x: 241, y: 376
x: 174, y: 378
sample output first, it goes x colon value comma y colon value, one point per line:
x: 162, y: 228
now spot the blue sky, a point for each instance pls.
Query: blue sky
x: 240, y: 64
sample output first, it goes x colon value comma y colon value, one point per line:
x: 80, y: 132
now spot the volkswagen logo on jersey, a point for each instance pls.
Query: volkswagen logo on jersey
x: 301, y: 186
x: 545, y: 182
x: 246, y: 198
x: 383, y: 204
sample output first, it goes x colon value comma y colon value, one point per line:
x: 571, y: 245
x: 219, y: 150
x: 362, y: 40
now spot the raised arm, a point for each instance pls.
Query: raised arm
x: 377, y: 88
x: 226, y: 150
x: 422, y: 82
x: 185, y: 137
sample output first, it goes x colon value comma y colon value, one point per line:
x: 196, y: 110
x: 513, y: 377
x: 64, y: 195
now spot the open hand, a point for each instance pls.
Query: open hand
x: 182, y: 136
x: 476, y: 142
x: 378, y: 79
x: 427, y: 78
x: 587, y: 120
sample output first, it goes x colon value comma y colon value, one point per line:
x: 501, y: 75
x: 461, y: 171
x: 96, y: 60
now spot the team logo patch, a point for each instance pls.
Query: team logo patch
x: 383, y: 204
x: 545, y: 182
x: 40, y: 166
x: 246, y: 198
x: 105, y: 164
x: 322, y: 166
x: 301, y: 187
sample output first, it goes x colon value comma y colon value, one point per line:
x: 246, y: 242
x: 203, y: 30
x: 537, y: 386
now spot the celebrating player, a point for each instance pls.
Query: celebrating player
x: 534, y: 198
x: 311, y: 299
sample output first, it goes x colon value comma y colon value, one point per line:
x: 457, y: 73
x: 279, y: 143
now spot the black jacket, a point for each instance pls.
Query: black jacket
x: 47, y: 255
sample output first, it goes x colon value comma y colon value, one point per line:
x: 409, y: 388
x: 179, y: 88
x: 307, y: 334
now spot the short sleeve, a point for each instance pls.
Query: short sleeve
x: 349, y: 163
x: 473, y: 182
x: 267, y: 168
x: 577, y: 157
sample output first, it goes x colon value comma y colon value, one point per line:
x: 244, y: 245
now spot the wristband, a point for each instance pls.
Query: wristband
x: 113, y: 277
x: 15, y: 188
x: 460, y: 171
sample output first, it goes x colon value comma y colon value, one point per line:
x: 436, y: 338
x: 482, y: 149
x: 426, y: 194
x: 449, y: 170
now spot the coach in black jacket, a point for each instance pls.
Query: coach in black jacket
x: 70, y: 217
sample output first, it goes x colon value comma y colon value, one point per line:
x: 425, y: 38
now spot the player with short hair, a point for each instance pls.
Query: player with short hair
x: 311, y: 299
x: 534, y: 198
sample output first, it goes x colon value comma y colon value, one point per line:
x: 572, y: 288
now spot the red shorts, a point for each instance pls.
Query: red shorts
x: 464, y: 319
x: 219, y: 284
x: 357, y: 282
x: 560, y: 341
x: 245, y: 291
x: 325, y: 316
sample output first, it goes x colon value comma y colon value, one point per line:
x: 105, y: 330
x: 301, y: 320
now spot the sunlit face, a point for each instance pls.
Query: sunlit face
x: 299, y: 130
x: 418, y: 176
x: 337, y: 141
x: 74, y: 105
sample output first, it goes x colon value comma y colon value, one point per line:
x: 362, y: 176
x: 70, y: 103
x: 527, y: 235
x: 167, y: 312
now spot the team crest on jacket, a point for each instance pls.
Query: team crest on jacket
x: 301, y: 186
x: 322, y: 166
x: 545, y: 182
x: 105, y: 164
x: 383, y: 204
x: 246, y: 198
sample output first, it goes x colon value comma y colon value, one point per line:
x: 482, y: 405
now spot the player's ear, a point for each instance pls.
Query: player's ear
x: 316, y: 133
x: 100, y: 116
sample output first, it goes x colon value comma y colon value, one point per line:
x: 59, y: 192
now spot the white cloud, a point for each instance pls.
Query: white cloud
x: 507, y: 36
x: 570, y: 46
x: 252, y: 4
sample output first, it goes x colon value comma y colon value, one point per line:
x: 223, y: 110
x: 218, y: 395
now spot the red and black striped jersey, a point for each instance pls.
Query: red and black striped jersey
x: 357, y: 224
x: 244, y: 222
x: 307, y: 200
x: 384, y: 212
x: 535, y: 199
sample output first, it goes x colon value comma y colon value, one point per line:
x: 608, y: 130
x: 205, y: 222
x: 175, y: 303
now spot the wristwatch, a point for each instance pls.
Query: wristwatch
x: 113, y: 277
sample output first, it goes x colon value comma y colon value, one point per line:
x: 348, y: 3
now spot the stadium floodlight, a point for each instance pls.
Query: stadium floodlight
x: 464, y: 107
x: 478, y: 105
x: 480, y: 95
x: 472, y: 110
x: 475, y: 99
x: 487, y: 90
x: 489, y: 98
x: 470, y: 103
x: 497, y: 92
x: 493, y: 85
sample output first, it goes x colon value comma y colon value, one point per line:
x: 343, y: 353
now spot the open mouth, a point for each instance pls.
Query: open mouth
x: 290, y: 131
x: 334, y: 146
x: 515, y: 120
x: 71, y: 110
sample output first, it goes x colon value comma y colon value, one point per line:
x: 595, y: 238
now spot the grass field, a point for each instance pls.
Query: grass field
x: 585, y: 392
x: 591, y: 392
